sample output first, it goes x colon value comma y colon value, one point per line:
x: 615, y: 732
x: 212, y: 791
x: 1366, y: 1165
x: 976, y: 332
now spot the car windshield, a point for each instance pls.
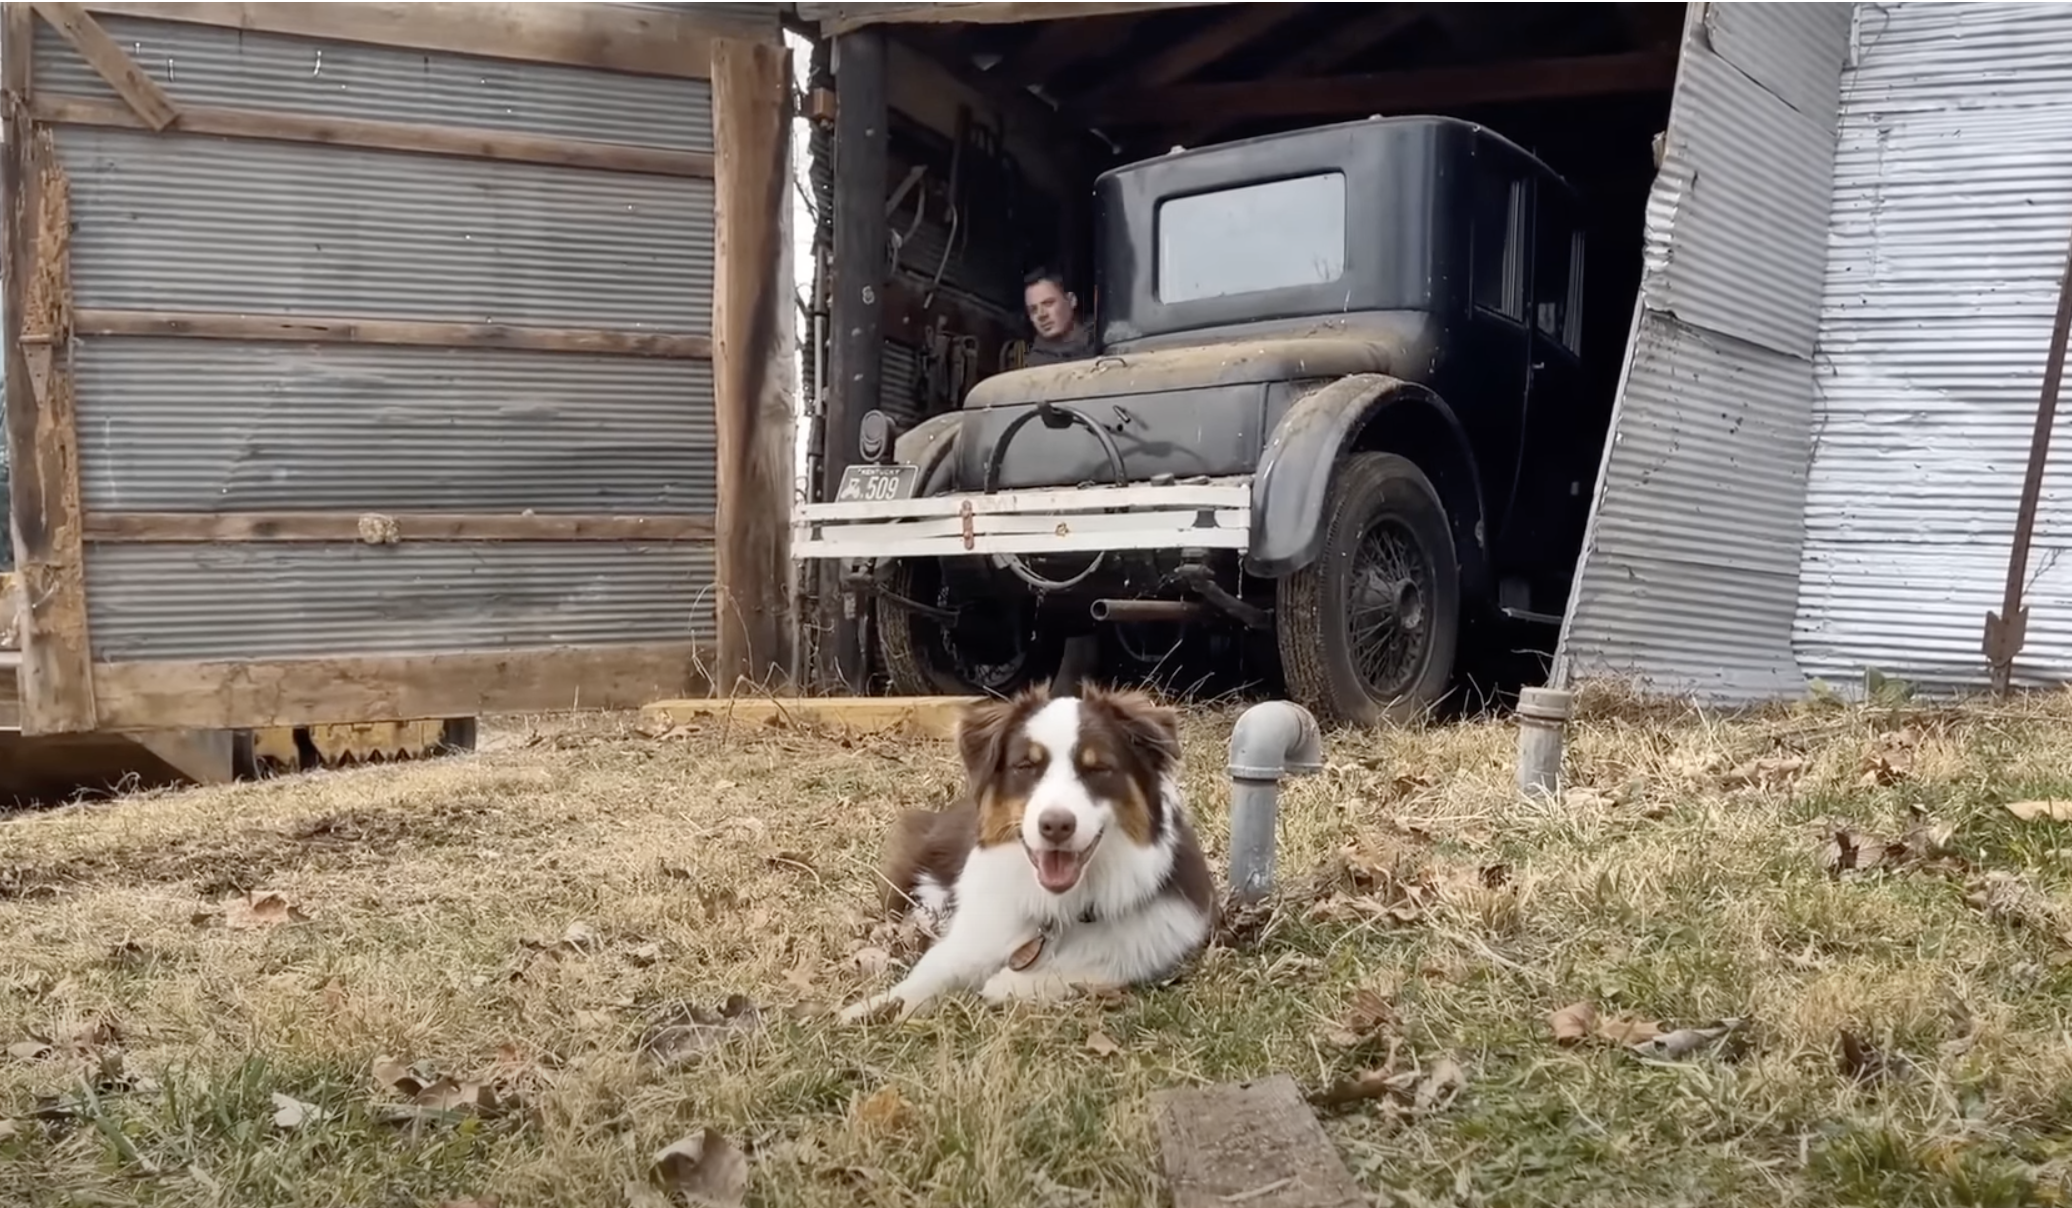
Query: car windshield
x: 1282, y: 234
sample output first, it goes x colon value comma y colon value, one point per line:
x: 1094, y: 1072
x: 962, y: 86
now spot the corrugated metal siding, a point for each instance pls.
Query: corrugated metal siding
x: 1689, y: 574
x: 209, y: 425
x: 174, y: 602
x: 1953, y: 207
x: 209, y: 65
x: 172, y: 222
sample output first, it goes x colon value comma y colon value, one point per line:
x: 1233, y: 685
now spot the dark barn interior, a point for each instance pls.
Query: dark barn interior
x: 997, y: 131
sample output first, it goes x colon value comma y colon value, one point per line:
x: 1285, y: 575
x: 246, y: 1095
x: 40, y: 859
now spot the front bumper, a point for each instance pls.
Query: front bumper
x: 1210, y: 515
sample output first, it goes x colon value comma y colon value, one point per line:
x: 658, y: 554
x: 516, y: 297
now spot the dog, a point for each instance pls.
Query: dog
x: 1071, y: 865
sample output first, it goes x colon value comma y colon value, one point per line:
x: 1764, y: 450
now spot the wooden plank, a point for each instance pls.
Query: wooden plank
x: 233, y: 694
x: 847, y: 18
x: 751, y: 105
x: 660, y: 42
x: 303, y: 329
x: 112, y: 528
x: 57, y: 692
x: 918, y: 716
x: 1253, y: 1143
x: 137, y: 90
x: 1426, y: 91
x: 386, y: 136
x: 1225, y: 34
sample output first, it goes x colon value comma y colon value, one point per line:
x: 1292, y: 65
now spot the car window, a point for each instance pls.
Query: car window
x: 1277, y: 235
x: 1499, y: 254
x: 1557, y: 274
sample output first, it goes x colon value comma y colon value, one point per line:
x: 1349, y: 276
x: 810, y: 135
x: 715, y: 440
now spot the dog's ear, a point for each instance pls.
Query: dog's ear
x: 983, y: 729
x: 1145, y: 724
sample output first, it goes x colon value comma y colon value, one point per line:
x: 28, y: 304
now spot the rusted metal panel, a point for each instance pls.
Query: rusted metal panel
x: 1689, y: 574
x: 1951, y: 211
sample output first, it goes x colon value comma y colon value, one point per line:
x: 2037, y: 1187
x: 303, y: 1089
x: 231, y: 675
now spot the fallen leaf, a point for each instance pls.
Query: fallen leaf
x: 1684, y: 1041
x: 1764, y: 773
x: 1100, y: 1044
x: 1620, y: 1030
x: 645, y: 955
x: 290, y: 1112
x: 2039, y: 811
x: 1441, y: 1085
x: 29, y: 1050
x: 1370, y: 1013
x: 579, y: 936
x: 9, y: 1129
x: 452, y: 1095
x: 1864, y: 1062
x: 683, y: 1031
x: 871, y: 961
x: 792, y: 859
x: 705, y: 1168
x: 1365, y: 1085
x: 1587, y: 799
x: 885, y: 1108
x: 334, y: 994
x: 1574, y: 1023
x: 473, y: 1201
x: 403, y: 1079
x: 256, y: 910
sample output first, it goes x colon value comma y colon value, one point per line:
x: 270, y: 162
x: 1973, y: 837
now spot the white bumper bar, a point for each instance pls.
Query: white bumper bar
x: 1212, y: 515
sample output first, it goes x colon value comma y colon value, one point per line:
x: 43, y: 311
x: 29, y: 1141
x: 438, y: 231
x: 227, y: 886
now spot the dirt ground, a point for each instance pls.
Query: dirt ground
x: 517, y: 977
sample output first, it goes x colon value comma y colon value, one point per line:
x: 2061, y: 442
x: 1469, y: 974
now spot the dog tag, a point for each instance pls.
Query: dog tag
x: 1026, y: 955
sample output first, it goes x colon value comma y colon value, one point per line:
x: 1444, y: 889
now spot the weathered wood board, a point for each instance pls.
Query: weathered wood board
x: 1251, y: 1143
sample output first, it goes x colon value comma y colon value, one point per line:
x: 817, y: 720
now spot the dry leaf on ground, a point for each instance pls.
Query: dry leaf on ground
x: 1101, y: 1044
x: 256, y: 910
x: 2041, y: 811
x: 1620, y: 1030
x: 871, y: 961
x: 1441, y: 1085
x: 682, y: 1031
x: 1574, y: 1023
x: 1367, y: 1084
x: 1865, y: 1062
x: 400, y: 1077
x: 290, y: 1112
x: 1768, y: 773
x: 1370, y: 1014
x: 704, y: 1168
x: 1683, y: 1042
x: 885, y: 1108
x: 29, y: 1050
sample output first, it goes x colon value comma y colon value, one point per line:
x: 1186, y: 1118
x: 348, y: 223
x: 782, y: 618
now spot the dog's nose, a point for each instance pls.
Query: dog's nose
x: 1055, y: 825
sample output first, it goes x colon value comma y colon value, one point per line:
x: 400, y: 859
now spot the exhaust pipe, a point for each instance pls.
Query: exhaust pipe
x: 1271, y: 740
x: 1147, y: 610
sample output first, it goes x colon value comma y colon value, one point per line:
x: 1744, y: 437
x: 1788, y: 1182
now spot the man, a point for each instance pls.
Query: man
x: 1054, y: 313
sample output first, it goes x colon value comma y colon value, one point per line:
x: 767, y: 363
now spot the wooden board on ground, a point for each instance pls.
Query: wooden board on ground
x: 920, y: 716
x: 1251, y: 1143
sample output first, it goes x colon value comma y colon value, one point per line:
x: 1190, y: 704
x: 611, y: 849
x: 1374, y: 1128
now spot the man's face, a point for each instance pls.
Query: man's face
x: 1051, y: 310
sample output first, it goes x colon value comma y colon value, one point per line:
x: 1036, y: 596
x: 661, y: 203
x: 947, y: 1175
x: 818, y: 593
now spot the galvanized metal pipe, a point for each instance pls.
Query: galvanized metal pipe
x: 1543, y: 715
x: 1146, y: 610
x: 1271, y: 740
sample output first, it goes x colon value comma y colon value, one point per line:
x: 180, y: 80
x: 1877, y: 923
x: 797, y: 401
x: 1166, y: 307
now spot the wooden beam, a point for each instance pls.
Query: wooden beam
x: 35, y: 194
x: 837, y: 19
x: 298, y: 329
x: 1206, y: 47
x: 660, y: 42
x: 252, y: 694
x: 1435, y: 89
x: 385, y: 136
x: 129, y: 528
x: 1063, y: 42
x: 918, y: 716
x: 1255, y: 1143
x: 138, y: 91
x: 1343, y: 43
x: 751, y: 106
x: 856, y: 308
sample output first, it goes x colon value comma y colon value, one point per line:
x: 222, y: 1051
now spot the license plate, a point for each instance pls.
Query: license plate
x: 877, y: 484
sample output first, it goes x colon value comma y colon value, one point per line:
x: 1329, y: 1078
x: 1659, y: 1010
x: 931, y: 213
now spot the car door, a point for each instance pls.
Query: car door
x: 1558, y: 456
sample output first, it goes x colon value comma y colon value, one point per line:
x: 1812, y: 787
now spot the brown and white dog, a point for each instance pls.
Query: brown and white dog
x: 1072, y: 864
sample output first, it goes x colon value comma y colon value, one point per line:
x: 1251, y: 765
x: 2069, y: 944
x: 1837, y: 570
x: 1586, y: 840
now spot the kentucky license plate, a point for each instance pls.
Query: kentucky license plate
x: 877, y: 484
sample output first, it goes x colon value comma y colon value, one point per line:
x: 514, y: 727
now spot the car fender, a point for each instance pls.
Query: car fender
x: 1294, y: 476
x: 927, y: 446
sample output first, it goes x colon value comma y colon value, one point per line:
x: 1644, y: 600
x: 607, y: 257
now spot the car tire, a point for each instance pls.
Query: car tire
x: 1387, y: 551
x: 920, y: 659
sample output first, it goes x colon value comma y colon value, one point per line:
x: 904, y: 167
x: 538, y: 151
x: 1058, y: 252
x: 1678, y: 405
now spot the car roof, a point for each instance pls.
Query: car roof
x: 1475, y: 129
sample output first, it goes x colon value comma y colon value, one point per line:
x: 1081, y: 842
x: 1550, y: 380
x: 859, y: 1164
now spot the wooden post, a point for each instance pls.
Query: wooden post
x: 856, y: 309
x: 56, y: 671
x: 751, y: 102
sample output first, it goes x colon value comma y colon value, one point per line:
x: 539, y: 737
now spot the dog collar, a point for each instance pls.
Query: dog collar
x: 1026, y: 955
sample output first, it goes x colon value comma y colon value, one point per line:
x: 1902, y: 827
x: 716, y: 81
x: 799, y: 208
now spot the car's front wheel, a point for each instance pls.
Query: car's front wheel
x: 1368, y: 632
x: 994, y: 647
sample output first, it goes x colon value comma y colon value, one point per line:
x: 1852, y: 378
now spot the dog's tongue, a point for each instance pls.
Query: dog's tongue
x: 1057, y: 871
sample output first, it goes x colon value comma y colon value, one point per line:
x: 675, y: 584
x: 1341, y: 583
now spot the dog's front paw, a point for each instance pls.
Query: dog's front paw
x: 877, y: 1008
x: 1016, y: 985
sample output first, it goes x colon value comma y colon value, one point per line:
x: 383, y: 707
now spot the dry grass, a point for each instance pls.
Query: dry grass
x: 726, y: 863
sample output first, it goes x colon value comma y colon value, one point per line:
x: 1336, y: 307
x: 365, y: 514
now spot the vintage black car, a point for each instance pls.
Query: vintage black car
x: 1338, y: 410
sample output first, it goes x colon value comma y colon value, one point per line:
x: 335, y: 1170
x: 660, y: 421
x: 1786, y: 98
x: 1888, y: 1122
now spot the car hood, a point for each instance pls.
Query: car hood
x: 1224, y: 363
